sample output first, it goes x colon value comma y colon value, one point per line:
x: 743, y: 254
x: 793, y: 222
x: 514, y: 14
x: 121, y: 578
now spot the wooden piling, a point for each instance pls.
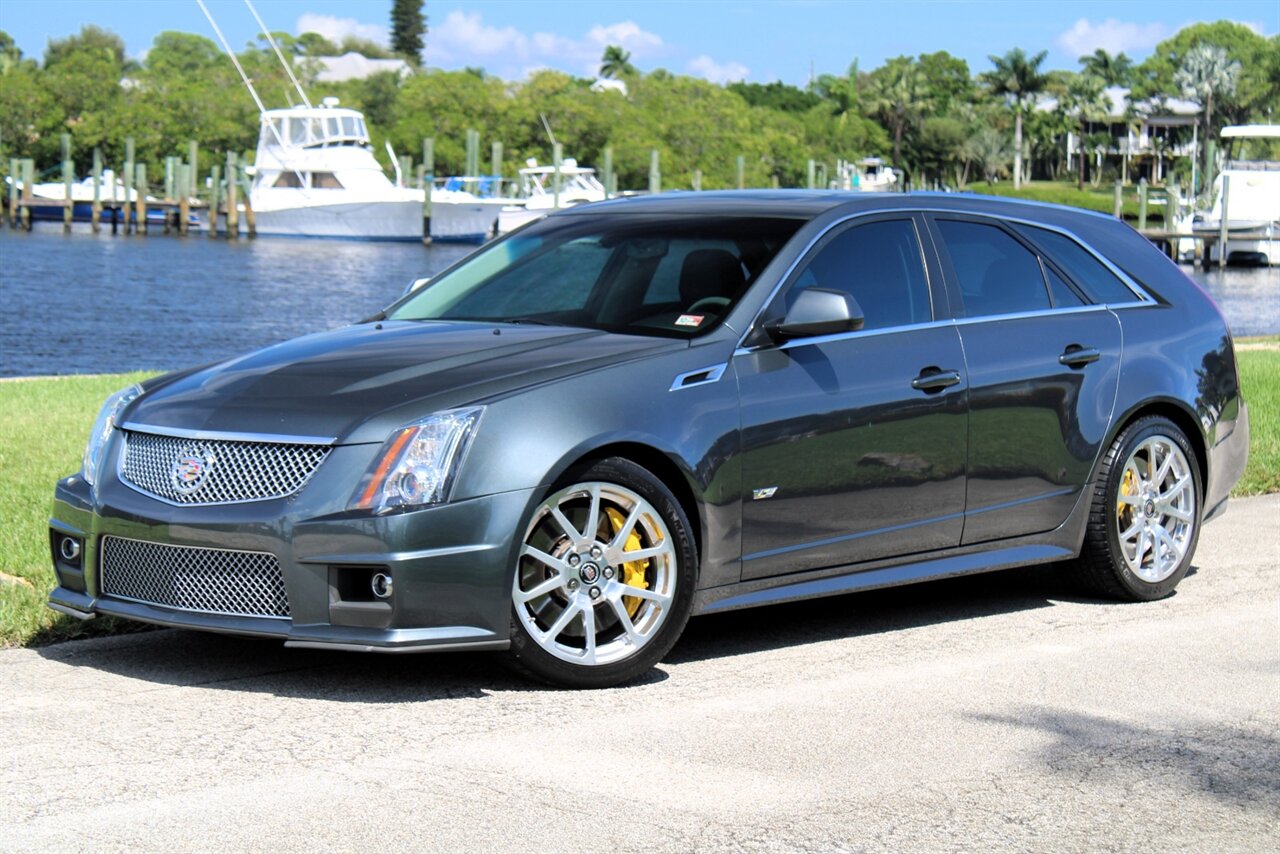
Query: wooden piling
x: 1118, y: 200
x: 557, y: 158
x: 495, y: 166
x: 140, y: 212
x: 1222, y: 223
x: 812, y: 174
x: 406, y: 169
x: 742, y: 172
x: 68, y: 173
x: 823, y: 183
x: 472, y: 167
x: 1142, y: 204
x: 126, y: 205
x: 233, y: 203
x: 215, y: 191
x: 250, y: 221
x: 15, y: 178
x: 183, y: 179
x: 95, y: 214
x: 655, y: 173
x: 428, y: 182
x: 193, y: 154
x: 608, y: 171
x: 697, y: 180
x: 28, y: 178
x: 170, y: 168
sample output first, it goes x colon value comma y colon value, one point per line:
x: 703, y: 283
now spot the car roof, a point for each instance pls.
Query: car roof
x: 807, y: 204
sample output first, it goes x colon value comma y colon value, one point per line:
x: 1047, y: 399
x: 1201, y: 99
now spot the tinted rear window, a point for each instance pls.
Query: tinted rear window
x: 997, y: 274
x: 1102, y: 285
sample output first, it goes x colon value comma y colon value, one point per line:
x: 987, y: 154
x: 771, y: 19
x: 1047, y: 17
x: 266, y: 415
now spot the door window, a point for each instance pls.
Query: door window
x: 880, y: 264
x: 1102, y: 285
x: 996, y: 273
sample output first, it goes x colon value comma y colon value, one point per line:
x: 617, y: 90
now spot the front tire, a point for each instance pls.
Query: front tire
x: 1144, y: 522
x: 604, y: 581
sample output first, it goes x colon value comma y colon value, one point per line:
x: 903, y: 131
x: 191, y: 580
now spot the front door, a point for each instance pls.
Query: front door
x: 854, y: 446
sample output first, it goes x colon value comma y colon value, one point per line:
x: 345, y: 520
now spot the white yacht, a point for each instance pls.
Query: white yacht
x: 869, y: 175
x: 315, y: 176
x: 1253, y: 200
x: 578, y: 184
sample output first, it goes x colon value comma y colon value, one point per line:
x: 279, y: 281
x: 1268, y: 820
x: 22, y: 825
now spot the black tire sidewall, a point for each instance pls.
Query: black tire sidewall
x: 1135, y: 435
x: 530, y: 656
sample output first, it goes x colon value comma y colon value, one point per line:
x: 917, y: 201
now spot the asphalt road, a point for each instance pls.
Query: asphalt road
x: 995, y: 712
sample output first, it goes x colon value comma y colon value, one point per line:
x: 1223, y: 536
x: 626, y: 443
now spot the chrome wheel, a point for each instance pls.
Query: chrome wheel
x: 596, y: 575
x: 1155, y: 508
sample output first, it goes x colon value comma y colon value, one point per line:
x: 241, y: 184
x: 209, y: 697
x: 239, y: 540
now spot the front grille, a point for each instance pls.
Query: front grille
x: 216, y: 471
x: 213, y: 581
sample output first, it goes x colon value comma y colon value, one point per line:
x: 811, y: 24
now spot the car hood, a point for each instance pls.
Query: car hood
x: 358, y: 383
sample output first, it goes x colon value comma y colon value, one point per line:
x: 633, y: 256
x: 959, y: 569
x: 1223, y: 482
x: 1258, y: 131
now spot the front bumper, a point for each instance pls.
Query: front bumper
x: 451, y: 564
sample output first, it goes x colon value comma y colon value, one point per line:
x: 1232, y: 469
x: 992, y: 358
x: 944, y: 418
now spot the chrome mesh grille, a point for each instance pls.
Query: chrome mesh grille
x: 216, y: 471
x: 213, y: 581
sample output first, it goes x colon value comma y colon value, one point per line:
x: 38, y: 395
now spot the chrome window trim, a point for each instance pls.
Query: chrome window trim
x: 1143, y: 298
x: 227, y: 436
x: 950, y: 321
x: 713, y: 374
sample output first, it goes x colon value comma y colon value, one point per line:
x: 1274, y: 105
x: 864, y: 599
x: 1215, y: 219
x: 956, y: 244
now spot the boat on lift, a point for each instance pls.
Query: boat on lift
x: 1252, y: 201
x: 578, y: 185
x: 868, y: 175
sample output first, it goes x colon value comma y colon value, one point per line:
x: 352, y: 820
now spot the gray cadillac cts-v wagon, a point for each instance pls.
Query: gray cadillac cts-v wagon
x: 632, y: 412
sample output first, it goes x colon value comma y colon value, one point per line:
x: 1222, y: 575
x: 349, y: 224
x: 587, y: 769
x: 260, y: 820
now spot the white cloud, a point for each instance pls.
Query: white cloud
x: 716, y: 72
x: 464, y: 38
x: 1112, y: 36
x: 336, y: 29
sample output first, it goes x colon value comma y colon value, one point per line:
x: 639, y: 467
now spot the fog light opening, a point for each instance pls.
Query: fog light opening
x: 381, y: 585
x: 69, y: 548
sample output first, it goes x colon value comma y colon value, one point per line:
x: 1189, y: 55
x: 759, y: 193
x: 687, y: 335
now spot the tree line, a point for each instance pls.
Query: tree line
x: 931, y: 115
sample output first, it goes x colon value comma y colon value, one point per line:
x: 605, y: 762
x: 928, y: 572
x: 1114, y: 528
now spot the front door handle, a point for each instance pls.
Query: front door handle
x: 935, y: 379
x: 1076, y: 356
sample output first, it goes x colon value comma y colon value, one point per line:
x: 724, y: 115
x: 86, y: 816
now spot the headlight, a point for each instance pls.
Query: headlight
x: 102, y: 431
x: 417, y: 464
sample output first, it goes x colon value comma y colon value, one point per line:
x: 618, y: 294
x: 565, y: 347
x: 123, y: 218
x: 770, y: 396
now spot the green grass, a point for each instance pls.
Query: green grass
x: 43, y: 427
x: 1101, y: 199
x: 44, y: 424
x: 1260, y: 377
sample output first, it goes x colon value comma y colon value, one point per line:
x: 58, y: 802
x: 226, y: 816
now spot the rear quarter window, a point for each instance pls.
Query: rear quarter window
x: 1102, y: 285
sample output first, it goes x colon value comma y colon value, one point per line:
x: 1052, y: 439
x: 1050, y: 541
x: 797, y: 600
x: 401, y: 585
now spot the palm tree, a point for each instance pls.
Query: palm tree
x: 616, y: 62
x: 989, y: 149
x: 895, y: 99
x: 1206, y: 71
x: 1017, y: 77
x: 1111, y: 70
x: 1085, y: 100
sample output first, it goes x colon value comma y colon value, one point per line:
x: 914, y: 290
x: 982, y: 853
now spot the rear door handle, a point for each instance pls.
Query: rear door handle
x: 1076, y: 356
x: 935, y: 379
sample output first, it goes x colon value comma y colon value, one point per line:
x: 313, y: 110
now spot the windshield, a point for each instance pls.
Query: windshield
x: 638, y: 274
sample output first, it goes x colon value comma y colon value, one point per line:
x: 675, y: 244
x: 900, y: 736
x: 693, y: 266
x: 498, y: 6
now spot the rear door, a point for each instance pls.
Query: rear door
x: 853, y: 445
x: 1043, y: 368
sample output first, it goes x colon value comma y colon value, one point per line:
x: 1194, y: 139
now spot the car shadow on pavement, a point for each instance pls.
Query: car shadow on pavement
x: 1231, y: 764
x: 188, y: 658
x: 878, y: 611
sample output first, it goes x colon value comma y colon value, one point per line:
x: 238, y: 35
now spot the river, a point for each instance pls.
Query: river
x: 84, y: 303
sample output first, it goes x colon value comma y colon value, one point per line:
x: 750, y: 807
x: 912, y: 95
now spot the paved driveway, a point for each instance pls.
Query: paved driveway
x: 991, y: 712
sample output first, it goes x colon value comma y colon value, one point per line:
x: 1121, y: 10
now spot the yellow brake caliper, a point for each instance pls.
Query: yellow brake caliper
x: 1127, y: 487
x: 633, y: 571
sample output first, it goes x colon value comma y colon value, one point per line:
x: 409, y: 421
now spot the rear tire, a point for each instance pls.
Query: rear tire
x: 1144, y: 521
x: 586, y: 611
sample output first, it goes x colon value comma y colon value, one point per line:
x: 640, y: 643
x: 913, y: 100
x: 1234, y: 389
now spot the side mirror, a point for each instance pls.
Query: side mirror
x: 818, y: 311
x: 415, y: 285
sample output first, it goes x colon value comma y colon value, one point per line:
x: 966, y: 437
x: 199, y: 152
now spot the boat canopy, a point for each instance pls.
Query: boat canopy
x: 315, y: 127
x: 1251, y: 131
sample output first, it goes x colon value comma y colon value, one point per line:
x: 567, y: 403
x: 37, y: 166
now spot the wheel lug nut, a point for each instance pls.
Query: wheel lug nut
x: 573, y: 584
x: 608, y: 572
x: 574, y: 560
x: 596, y: 551
x: 595, y: 592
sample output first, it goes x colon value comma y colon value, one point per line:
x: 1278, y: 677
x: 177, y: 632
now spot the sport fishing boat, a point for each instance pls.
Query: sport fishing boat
x: 1252, y: 202
x: 578, y: 184
x: 315, y: 176
x: 869, y: 175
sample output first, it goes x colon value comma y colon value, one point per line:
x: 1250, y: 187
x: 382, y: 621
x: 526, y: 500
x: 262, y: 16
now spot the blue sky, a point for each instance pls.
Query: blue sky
x: 758, y: 40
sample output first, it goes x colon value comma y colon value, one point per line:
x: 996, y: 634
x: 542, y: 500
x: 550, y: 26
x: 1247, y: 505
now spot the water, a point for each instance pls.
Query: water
x: 85, y: 303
